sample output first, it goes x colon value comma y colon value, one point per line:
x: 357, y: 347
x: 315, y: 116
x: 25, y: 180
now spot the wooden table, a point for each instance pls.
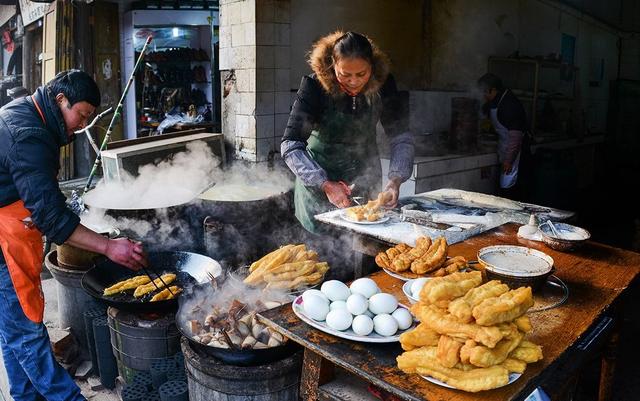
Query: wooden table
x: 596, y: 275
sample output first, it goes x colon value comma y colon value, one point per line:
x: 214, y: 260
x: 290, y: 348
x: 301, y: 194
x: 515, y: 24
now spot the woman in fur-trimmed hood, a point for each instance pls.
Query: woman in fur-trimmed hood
x: 330, y: 139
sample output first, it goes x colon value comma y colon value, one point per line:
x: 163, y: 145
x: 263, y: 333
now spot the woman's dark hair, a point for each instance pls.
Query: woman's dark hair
x: 77, y: 86
x: 489, y: 81
x: 353, y: 45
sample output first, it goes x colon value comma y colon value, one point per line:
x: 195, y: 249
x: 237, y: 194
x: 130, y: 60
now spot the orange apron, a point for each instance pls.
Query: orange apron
x: 22, y: 247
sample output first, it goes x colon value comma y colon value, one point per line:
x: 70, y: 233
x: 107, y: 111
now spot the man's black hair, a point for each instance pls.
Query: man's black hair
x: 489, y: 81
x: 77, y: 86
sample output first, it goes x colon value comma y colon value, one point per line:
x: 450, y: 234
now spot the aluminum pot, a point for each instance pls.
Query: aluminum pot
x: 516, y: 266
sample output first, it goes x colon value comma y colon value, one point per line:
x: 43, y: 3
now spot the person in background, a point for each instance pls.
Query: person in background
x: 510, y: 123
x: 32, y: 130
x: 330, y: 139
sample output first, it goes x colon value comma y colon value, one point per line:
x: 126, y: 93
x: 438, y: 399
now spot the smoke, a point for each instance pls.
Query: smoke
x: 170, y: 182
x: 144, y: 202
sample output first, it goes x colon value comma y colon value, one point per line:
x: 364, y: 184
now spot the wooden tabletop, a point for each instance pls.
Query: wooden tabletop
x: 596, y: 275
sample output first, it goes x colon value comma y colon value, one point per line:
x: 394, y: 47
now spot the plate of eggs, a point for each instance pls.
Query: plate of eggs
x: 359, y: 312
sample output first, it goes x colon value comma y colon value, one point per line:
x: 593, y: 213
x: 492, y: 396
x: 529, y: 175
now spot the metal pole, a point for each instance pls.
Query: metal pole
x: 116, y: 114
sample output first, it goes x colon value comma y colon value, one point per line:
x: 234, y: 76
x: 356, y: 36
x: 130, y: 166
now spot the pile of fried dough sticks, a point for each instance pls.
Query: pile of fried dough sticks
x: 286, y: 268
x: 471, y: 334
x: 427, y: 258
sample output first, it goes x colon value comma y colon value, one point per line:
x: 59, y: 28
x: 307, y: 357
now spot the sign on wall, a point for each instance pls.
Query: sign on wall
x: 31, y: 11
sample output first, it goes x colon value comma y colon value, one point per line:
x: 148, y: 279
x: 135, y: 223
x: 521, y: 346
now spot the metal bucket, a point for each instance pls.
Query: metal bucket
x: 210, y: 379
x: 73, y: 301
x: 139, y: 340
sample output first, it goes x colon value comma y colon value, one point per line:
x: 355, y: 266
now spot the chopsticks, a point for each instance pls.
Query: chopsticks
x: 159, y: 277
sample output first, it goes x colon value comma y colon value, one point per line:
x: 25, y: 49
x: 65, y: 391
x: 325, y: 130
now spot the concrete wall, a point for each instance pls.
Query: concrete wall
x: 396, y: 26
x: 465, y: 33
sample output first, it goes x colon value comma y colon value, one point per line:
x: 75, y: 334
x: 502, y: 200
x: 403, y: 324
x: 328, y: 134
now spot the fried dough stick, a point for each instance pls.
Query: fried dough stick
x: 158, y: 283
x: 419, y: 337
x: 504, y: 308
x: 424, y: 362
x: 449, y: 287
x: 129, y: 284
x: 444, y: 323
x: 462, y: 307
x: 167, y: 293
x: 483, y: 357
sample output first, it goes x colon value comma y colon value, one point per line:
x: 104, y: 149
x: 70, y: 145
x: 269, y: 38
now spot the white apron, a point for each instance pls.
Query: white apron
x: 506, y: 180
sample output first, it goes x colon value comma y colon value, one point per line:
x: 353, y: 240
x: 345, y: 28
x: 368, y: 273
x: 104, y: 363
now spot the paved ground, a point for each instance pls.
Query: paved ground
x: 49, y: 286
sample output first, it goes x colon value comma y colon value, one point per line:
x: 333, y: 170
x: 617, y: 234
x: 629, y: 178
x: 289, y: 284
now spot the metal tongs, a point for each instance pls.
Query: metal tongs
x: 349, y: 189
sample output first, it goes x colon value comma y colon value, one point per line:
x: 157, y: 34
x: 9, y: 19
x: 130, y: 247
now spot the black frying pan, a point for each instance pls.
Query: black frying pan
x: 242, y: 357
x: 190, y: 268
x: 238, y: 357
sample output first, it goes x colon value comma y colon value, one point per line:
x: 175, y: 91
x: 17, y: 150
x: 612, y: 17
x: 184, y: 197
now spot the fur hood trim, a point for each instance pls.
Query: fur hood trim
x: 321, y: 62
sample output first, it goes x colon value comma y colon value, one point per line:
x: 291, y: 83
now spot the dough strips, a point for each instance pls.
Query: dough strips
x: 471, y: 335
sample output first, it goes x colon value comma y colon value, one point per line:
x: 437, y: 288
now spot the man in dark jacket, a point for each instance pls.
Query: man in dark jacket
x: 32, y: 130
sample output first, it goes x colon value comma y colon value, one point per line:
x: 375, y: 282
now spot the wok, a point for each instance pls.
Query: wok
x: 190, y: 268
x: 238, y: 357
x: 241, y: 357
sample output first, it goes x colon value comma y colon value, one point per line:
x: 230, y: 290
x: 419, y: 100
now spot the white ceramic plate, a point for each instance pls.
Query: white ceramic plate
x: 344, y: 217
x: 347, y: 334
x: 512, y: 377
x: 396, y: 275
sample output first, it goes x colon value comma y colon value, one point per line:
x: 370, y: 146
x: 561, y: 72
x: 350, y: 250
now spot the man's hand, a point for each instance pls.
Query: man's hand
x: 393, y: 187
x: 127, y: 253
x: 337, y: 193
x: 507, y: 167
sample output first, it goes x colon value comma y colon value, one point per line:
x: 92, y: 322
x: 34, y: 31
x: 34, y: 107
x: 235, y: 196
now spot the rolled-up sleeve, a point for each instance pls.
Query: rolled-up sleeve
x: 303, y: 117
x: 33, y: 164
x: 395, y: 120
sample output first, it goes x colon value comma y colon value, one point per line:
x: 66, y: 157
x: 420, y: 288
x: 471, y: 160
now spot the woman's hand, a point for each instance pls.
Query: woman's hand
x: 128, y: 253
x: 393, y: 187
x: 337, y: 193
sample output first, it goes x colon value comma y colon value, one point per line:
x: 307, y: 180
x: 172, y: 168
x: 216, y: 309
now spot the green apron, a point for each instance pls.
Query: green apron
x: 344, y: 145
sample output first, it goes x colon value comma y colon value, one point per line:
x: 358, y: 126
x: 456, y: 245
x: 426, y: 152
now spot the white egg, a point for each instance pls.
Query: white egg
x: 335, y: 290
x: 339, y: 319
x: 314, y: 292
x: 364, y: 286
x: 416, y: 286
x: 357, y: 304
x: 337, y: 305
x: 382, y: 303
x: 403, y: 317
x: 362, y: 325
x: 385, y: 325
x: 315, y: 307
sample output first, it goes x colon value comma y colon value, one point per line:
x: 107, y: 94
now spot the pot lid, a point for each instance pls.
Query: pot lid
x: 516, y: 261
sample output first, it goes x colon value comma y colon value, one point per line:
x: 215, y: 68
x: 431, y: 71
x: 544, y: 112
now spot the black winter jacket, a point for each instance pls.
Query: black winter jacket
x: 30, y: 160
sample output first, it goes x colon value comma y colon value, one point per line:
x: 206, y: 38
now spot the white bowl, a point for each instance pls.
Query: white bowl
x: 406, y: 288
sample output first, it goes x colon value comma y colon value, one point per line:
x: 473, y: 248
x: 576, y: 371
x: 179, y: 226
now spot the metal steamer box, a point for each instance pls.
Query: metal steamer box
x: 130, y: 157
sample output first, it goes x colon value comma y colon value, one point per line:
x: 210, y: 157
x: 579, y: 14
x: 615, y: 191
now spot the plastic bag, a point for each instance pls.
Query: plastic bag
x: 172, y: 119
